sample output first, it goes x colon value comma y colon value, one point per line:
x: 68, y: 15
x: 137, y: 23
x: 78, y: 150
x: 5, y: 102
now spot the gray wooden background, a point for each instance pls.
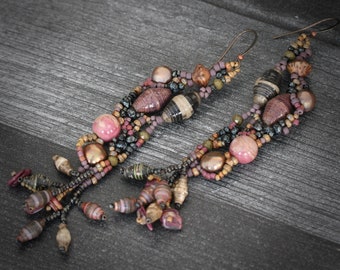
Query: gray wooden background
x: 62, y: 63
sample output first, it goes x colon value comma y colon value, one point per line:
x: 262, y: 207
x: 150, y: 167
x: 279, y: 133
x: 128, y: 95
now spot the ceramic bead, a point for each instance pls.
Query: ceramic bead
x: 107, y: 127
x: 244, y: 149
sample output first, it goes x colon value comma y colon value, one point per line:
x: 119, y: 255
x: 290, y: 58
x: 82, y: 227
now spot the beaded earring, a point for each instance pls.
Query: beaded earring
x: 273, y: 113
x: 167, y: 96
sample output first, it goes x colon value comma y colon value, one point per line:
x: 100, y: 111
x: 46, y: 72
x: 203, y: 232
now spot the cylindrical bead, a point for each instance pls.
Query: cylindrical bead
x: 267, y: 86
x: 181, y: 107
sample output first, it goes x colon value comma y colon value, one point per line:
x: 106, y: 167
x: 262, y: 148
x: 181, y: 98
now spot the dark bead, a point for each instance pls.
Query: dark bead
x: 290, y: 48
x: 234, y: 131
x: 181, y: 86
x: 121, y: 137
x: 226, y: 139
x: 221, y: 132
x: 291, y: 90
x: 269, y: 131
x: 218, y: 75
x: 173, y: 87
x: 277, y: 129
x: 258, y: 126
x: 133, y: 146
x: 131, y: 139
x: 227, y: 130
x: 282, y: 123
x: 301, y: 50
x: 258, y: 134
x: 223, y: 71
x: 125, y: 102
x: 121, y: 145
x: 129, y: 149
x: 131, y: 112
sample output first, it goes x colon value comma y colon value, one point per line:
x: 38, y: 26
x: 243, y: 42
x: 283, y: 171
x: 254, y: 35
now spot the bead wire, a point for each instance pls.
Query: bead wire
x: 336, y: 22
x: 236, y: 38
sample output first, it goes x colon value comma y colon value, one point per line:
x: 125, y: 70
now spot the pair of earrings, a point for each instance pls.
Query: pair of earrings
x: 171, y: 96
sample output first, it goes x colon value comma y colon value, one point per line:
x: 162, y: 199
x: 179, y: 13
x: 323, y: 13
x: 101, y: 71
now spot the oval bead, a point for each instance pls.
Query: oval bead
x: 244, y: 148
x: 212, y: 161
x: 36, y: 201
x: 277, y: 109
x: 93, y: 211
x: 126, y: 205
x: 31, y: 230
x: 161, y: 74
x: 152, y: 100
x: 153, y: 213
x: 63, y: 238
x: 146, y: 196
x: 180, y: 191
x: 94, y: 153
x: 307, y: 99
x: 163, y: 194
x: 62, y: 164
x: 107, y: 127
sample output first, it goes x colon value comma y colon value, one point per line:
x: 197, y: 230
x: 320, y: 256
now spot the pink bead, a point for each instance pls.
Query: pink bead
x: 244, y: 149
x: 107, y: 127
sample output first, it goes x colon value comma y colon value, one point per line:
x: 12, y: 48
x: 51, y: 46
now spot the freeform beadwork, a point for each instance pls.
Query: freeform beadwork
x: 159, y: 99
x: 273, y: 113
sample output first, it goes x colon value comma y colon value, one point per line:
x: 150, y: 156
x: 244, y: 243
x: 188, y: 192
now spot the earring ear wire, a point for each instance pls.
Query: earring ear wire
x: 313, y: 33
x: 235, y: 39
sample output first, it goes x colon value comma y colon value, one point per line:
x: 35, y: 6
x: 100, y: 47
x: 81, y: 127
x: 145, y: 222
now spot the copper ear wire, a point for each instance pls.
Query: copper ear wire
x: 313, y: 33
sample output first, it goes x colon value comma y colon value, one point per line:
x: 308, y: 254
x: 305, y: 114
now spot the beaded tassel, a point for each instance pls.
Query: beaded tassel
x: 272, y: 114
x: 115, y: 137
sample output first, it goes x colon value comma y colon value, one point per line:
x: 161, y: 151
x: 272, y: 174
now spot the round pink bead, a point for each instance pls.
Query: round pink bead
x: 244, y: 149
x: 107, y: 127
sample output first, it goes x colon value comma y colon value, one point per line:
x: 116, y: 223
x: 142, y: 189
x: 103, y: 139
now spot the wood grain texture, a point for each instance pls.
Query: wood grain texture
x: 62, y: 63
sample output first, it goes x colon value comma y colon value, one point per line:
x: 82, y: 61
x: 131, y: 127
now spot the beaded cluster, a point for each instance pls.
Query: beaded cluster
x: 273, y: 113
x: 168, y: 96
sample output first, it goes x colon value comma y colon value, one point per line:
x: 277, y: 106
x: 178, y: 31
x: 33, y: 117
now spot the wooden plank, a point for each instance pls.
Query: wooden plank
x: 63, y: 63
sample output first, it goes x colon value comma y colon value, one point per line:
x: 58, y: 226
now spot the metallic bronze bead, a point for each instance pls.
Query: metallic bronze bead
x: 94, y: 153
x: 212, y: 161
x: 201, y: 75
